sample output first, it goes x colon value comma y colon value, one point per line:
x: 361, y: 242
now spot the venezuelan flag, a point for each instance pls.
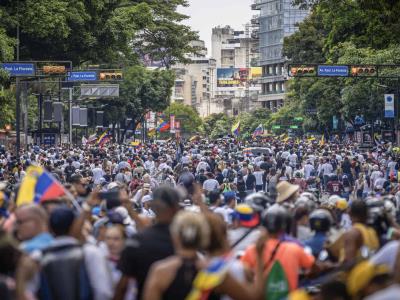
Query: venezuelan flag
x: 236, y: 129
x: 152, y: 132
x: 164, y: 126
x: 208, y: 279
x: 37, y: 186
x: 258, y: 131
x: 103, y: 138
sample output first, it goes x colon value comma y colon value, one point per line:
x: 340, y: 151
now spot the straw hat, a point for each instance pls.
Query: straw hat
x: 285, y: 191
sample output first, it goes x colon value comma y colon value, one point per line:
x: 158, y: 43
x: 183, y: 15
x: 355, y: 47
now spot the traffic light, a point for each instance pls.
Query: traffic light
x: 54, y: 69
x: 363, y: 71
x: 302, y: 71
x: 110, y: 76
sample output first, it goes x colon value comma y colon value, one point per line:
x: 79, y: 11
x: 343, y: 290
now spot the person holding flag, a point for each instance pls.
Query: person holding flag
x: 236, y: 129
x: 259, y: 131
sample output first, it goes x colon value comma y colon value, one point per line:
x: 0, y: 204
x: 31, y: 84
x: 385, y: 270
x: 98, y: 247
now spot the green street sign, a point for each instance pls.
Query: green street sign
x: 294, y: 127
x: 276, y: 127
x: 299, y: 119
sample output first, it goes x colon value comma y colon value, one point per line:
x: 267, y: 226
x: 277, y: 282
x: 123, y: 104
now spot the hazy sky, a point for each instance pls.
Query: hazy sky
x: 206, y: 14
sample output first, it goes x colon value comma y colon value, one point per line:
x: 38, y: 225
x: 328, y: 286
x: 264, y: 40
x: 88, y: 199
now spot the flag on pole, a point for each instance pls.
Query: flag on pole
x: 164, y: 126
x: 236, y: 129
x: 151, y: 132
x: 102, y: 137
x: 84, y: 141
x: 259, y: 131
x: 38, y: 185
x: 92, y: 138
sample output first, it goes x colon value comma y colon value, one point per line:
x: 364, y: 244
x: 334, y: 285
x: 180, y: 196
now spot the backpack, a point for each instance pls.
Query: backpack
x: 73, y: 282
x: 230, y: 175
x: 241, y: 185
x: 276, y: 284
x: 227, y: 188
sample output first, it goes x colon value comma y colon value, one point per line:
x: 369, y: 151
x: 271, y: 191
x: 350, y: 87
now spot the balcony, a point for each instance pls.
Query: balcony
x: 272, y: 78
x: 256, y: 5
x: 255, y: 20
x: 271, y: 97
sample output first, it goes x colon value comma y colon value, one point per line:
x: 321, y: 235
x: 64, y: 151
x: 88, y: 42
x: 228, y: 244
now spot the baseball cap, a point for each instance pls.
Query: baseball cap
x: 147, y: 198
x: 229, y: 195
x: 246, y: 216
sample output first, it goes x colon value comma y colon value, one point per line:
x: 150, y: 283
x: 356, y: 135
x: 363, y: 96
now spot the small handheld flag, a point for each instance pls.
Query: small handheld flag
x: 37, y: 186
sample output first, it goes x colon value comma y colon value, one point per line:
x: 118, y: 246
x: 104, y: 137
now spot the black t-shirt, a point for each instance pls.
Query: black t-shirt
x: 69, y: 170
x: 142, y: 250
x: 250, y: 182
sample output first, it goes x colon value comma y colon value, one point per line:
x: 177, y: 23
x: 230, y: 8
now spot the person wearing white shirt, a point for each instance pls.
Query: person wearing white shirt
x: 210, y: 184
x: 149, y: 165
x: 375, y: 175
x: 203, y: 165
x: 258, y: 174
x: 308, y: 169
x: 326, y: 170
x: 293, y: 159
x: 98, y: 173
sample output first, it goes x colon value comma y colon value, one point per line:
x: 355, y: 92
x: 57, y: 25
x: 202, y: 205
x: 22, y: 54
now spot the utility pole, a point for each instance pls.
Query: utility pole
x: 18, y: 95
x: 248, y: 67
x: 70, y: 116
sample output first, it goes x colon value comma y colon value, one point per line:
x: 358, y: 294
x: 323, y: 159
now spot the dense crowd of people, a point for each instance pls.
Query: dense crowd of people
x: 222, y: 219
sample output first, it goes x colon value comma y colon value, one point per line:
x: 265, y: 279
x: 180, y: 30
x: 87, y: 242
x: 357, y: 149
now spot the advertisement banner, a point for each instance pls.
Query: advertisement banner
x: 389, y: 105
x: 238, y: 77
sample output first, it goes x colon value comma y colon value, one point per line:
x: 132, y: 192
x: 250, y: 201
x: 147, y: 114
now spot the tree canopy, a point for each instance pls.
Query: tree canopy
x: 342, y: 32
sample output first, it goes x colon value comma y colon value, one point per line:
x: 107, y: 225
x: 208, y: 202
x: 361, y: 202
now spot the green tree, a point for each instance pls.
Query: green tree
x: 96, y: 31
x: 7, y: 107
x: 142, y: 90
x: 343, y: 32
x: 216, y: 125
x: 189, y: 118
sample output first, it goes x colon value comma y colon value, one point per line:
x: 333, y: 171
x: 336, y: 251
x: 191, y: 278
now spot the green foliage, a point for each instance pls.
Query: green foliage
x: 142, y: 90
x: 6, y: 46
x: 250, y: 121
x: 216, y: 125
x: 190, y: 120
x: 343, y: 32
x: 7, y: 107
x: 98, y: 31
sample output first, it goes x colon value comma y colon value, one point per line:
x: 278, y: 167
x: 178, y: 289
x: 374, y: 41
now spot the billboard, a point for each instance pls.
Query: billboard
x: 238, y: 77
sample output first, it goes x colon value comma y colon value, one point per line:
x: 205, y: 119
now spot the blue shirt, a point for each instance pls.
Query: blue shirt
x: 316, y: 243
x: 39, y: 242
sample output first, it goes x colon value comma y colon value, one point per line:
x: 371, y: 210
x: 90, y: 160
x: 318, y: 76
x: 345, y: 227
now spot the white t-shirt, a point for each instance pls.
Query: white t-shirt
x: 98, y: 173
x: 307, y: 170
x: 259, y: 177
x: 293, y: 158
x: 326, y: 169
x: 210, y: 185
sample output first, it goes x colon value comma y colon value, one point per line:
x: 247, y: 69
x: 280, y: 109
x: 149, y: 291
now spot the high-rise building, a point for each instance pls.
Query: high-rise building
x: 277, y: 19
x: 194, y: 81
x: 236, y: 56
